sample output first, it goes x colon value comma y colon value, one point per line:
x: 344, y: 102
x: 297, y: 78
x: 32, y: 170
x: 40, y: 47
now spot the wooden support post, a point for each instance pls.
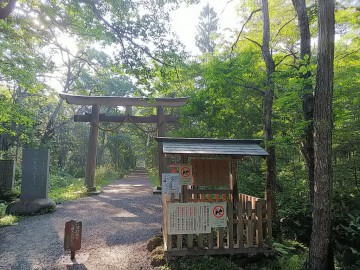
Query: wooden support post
x: 249, y: 228
x: 259, y: 222
x: 92, y: 147
x: 161, y: 133
x: 240, y: 227
x: 230, y: 225
x: 128, y: 110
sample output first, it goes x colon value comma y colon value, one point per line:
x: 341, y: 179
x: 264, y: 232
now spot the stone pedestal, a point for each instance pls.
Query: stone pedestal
x: 7, y: 173
x: 34, y: 183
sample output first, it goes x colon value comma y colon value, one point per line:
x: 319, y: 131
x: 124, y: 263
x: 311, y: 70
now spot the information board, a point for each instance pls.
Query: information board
x: 188, y: 218
x: 170, y: 184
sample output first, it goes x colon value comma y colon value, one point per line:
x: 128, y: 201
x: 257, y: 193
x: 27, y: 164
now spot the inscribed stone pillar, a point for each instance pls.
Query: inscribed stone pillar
x: 34, y: 183
x: 35, y: 174
x: 7, y: 173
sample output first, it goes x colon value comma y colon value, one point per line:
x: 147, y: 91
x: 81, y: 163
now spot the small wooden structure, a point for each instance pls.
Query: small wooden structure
x: 128, y: 102
x: 188, y: 228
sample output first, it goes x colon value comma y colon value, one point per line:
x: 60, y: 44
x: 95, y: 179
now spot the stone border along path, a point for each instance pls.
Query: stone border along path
x: 116, y: 226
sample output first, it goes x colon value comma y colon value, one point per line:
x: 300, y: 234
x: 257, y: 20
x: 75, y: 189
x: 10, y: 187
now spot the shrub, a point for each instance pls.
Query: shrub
x: 105, y: 174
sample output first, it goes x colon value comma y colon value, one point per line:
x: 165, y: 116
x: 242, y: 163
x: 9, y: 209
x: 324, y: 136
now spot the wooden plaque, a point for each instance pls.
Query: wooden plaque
x: 72, y: 238
x: 210, y: 172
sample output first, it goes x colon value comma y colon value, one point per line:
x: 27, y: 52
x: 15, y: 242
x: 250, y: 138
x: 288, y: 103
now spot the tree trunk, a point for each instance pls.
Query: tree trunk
x: 267, y: 119
x: 307, y: 145
x: 8, y: 9
x: 320, y: 246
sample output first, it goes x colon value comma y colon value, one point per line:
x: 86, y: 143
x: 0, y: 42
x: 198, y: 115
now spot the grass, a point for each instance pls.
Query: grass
x: 153, y: 176
x: 5, y: 198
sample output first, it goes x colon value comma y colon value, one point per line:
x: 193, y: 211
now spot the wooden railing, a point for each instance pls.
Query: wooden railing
x: 248, y: 227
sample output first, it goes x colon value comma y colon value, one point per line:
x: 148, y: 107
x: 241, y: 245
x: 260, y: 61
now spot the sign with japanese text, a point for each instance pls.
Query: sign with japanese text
x: 188, y: 218
x: 170, y: 184
x: 72, y: 238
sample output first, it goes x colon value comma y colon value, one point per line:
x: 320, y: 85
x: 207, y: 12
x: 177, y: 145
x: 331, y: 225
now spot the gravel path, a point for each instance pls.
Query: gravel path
x: 116, y: 226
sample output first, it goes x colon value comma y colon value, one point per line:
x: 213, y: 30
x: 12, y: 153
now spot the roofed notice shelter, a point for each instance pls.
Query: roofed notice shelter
x: 239, y: 223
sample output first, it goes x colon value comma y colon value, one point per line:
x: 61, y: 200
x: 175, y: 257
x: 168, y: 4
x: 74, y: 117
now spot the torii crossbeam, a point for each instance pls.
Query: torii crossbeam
x: 95, y: 117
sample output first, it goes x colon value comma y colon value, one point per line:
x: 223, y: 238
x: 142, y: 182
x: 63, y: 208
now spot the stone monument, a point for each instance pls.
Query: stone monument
x: 7, y: 173
x: 34, y: 183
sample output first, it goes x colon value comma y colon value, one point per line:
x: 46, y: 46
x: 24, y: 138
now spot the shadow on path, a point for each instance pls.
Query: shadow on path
x: 116, y: 226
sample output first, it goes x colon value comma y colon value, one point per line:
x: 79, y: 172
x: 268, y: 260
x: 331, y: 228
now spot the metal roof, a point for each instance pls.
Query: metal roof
x: 200, y: 146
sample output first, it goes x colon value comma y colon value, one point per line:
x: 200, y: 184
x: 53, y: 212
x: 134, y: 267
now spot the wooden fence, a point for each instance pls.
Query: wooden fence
x: 248, y: 229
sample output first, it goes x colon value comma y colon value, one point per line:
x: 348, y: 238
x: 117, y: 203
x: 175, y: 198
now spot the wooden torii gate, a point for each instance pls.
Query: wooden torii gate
x: 128, y: 102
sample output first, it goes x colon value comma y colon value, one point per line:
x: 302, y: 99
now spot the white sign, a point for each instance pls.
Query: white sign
x: 218, y: 217
x: 188, y: 218
x: 185, y: 174
x: 170, y: 184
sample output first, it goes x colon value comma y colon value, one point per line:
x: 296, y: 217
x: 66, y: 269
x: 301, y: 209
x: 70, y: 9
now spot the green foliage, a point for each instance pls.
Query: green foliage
x: 251, y: 177
x: 207, y: 262
x: 347, y: 230
x: 165, y: 267
x: 153, y: 176
x: 8, y: 220
x: 105, y: 174
x: 282, y: 249
x: 64, y: 187
x: 206, y: 30
x: 289, y: 255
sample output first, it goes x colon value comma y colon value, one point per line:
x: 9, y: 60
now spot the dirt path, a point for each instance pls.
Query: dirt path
x: 116, y: 226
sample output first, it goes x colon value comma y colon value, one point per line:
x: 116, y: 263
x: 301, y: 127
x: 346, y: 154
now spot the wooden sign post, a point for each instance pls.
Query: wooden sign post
x: 72, y: 238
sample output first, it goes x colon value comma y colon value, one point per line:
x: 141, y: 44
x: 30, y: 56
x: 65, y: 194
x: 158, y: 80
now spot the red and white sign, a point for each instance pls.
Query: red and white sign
x: 185, y: 172
x: 218, y: 216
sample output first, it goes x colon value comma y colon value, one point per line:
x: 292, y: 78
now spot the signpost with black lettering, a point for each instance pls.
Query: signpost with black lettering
x: 72, y: 238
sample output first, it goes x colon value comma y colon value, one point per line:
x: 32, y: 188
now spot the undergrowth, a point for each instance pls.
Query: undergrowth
x: 206, y: 263
x: 153, y: 176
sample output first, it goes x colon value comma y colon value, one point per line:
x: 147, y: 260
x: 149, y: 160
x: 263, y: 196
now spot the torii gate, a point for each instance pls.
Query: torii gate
x: 128, y: 102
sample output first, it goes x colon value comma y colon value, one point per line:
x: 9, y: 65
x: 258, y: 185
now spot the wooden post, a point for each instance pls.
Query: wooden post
x: 259, y: 225
x: 161, y: 133
x: 92, y: 147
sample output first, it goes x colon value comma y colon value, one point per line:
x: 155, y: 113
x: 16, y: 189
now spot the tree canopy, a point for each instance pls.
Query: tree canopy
x: 266, y: 71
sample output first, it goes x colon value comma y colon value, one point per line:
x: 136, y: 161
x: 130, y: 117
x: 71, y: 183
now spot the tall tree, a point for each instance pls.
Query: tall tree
x: 307, y: 96
x: 206, y: 30
x: 319, y: 253
x: 268, y: 114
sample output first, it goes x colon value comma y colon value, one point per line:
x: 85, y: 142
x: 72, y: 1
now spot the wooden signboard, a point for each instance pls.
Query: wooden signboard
x: 188, y: 218
x: 210, y: 172
x: 72, y: 238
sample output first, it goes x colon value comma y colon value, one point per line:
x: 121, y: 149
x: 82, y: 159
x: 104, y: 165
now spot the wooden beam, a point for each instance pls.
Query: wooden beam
x: 218, y: 251
x: 128, y: 118
x: 92, y: 147
x: 123, y: 101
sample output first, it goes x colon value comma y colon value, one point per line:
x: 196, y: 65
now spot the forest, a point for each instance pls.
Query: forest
x: 289, y: 75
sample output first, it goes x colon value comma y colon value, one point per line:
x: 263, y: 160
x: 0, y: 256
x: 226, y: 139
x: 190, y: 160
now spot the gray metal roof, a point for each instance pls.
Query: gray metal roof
x: 200, y: 146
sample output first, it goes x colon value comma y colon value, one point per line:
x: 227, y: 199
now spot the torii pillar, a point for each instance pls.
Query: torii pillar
x: 95, y: 117
x: 92, y: 149
x: 161, y: 133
